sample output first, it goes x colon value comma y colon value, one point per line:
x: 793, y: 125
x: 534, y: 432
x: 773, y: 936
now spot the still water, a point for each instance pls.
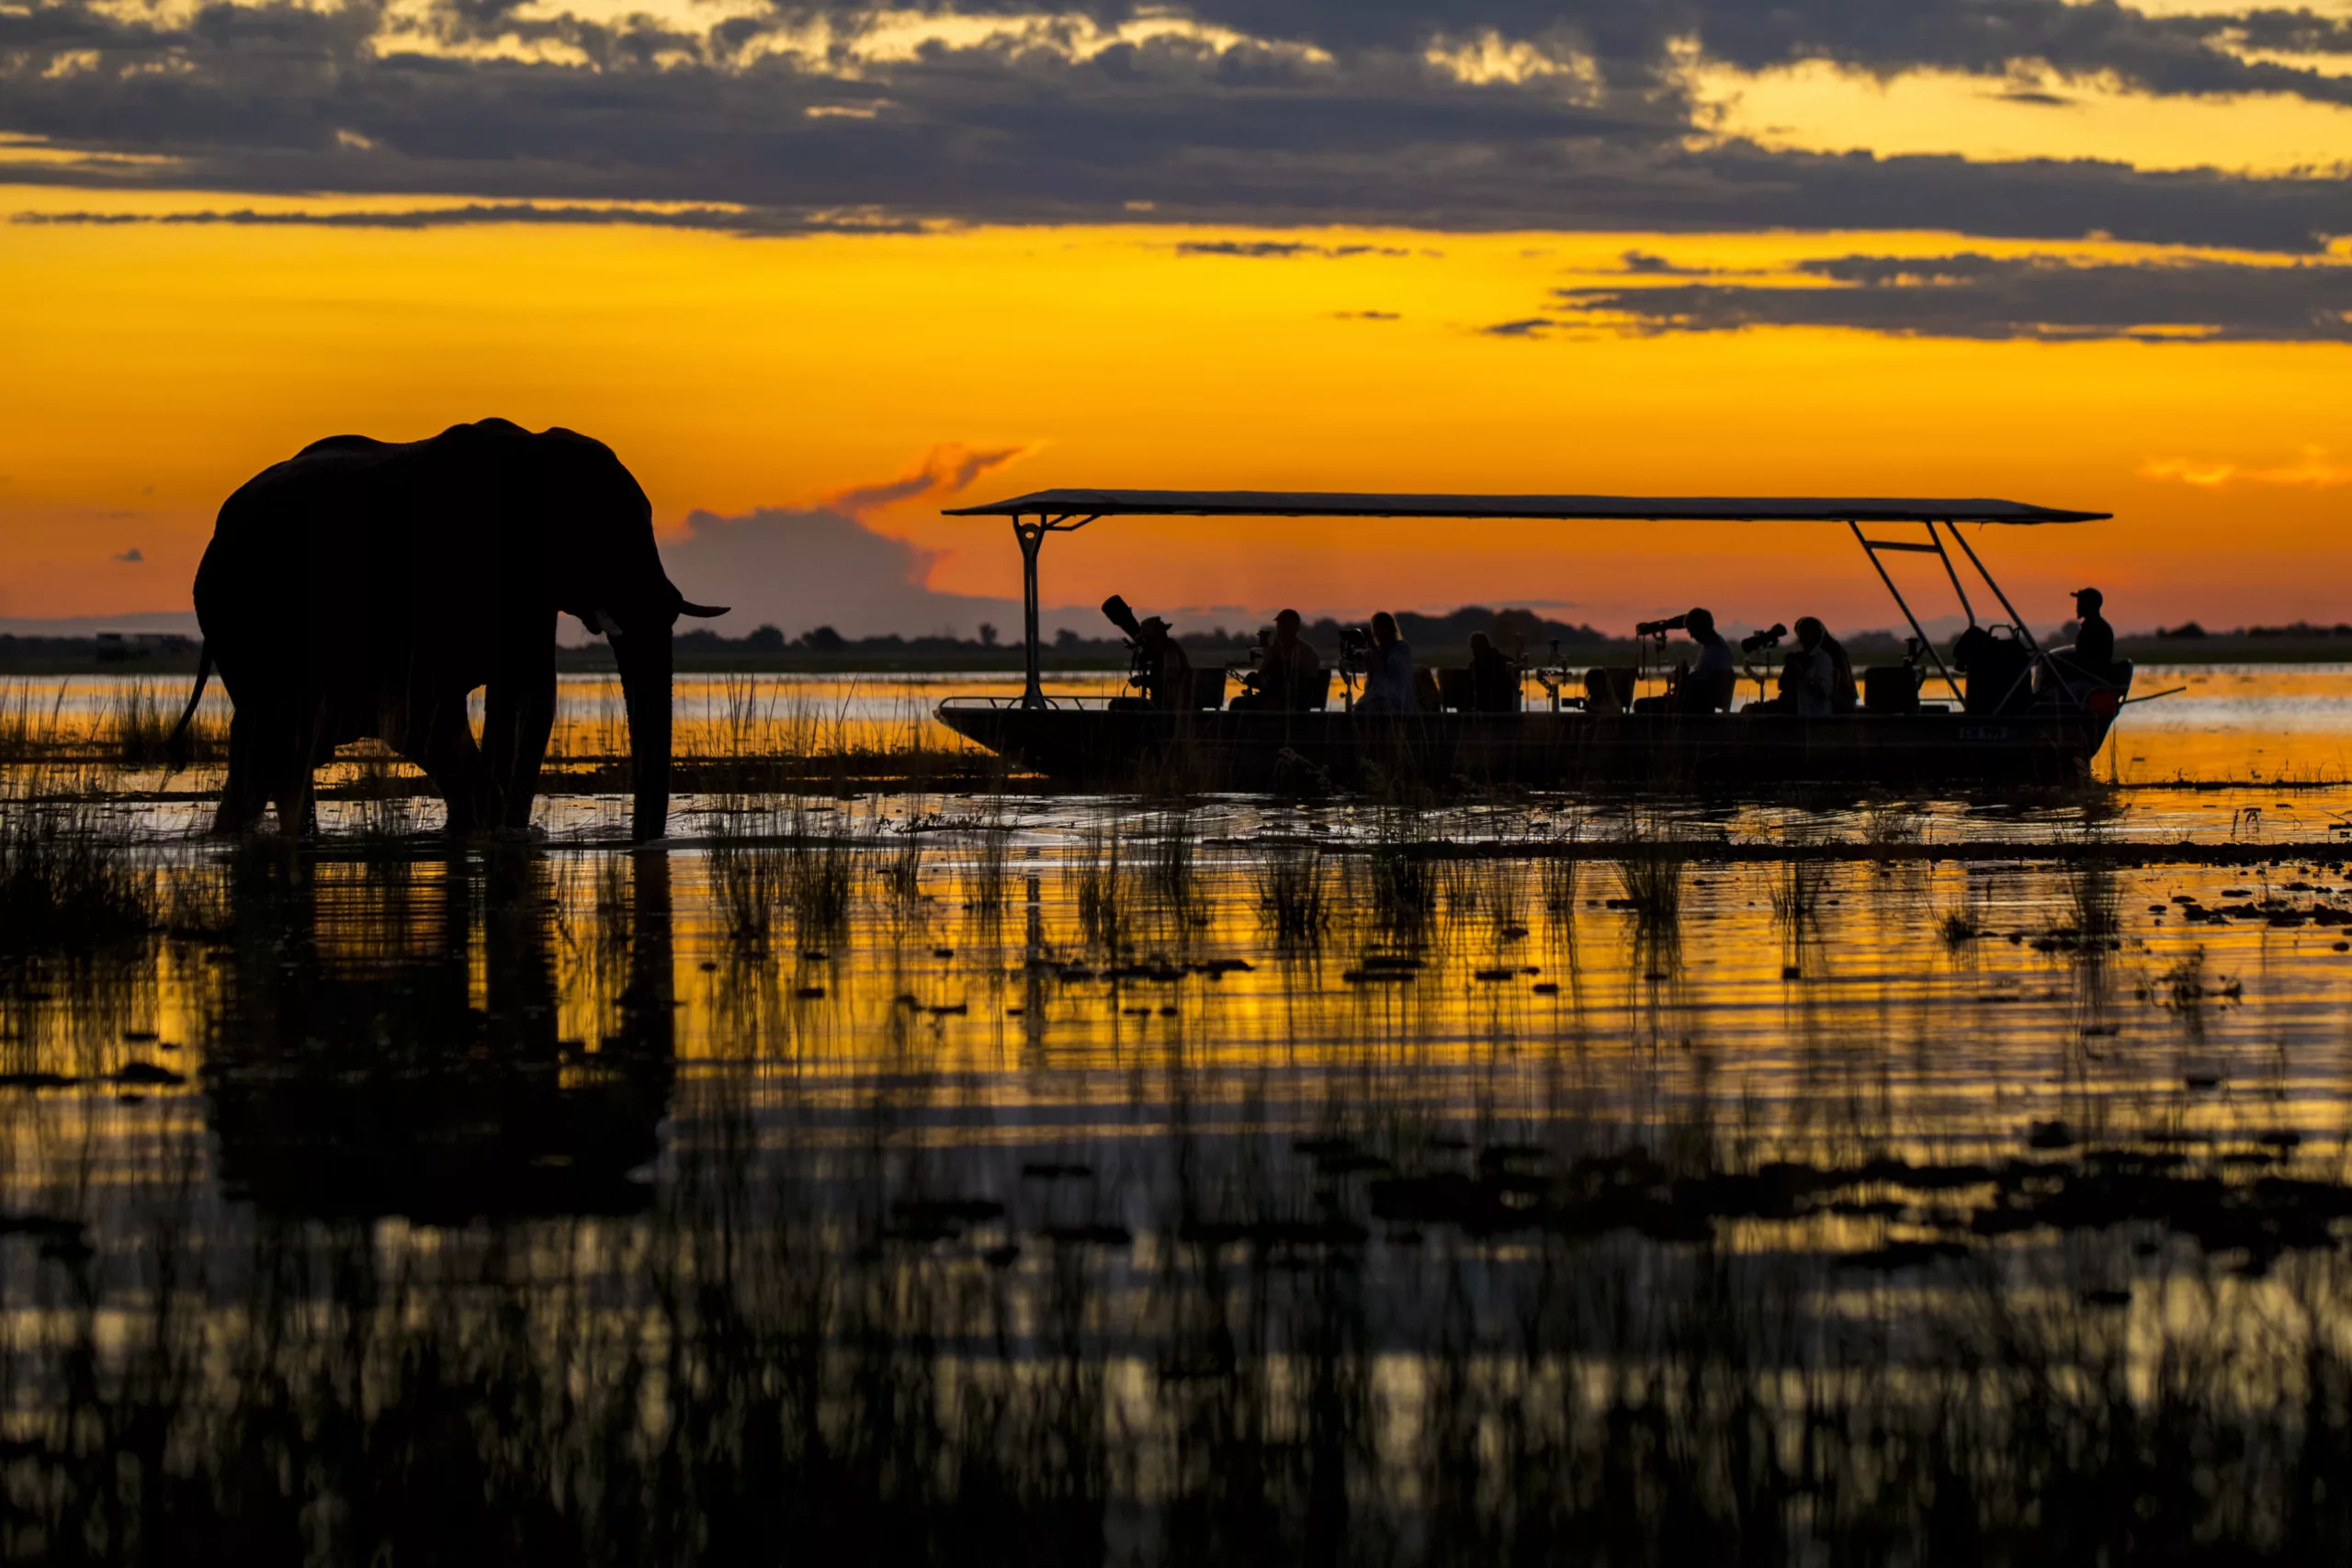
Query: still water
x: 1004, y: 1177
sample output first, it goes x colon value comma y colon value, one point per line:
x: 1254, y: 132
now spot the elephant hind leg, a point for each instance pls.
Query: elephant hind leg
x: 246, y: 793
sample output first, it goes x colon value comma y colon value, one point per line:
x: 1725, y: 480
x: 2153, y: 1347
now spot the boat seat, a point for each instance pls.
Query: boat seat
x: 1208, y: 688
x: 1453, y: 688
x: 1891, y: 688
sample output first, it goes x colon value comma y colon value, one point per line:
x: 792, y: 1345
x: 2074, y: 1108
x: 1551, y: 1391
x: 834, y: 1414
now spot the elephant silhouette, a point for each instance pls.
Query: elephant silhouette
x: 368, y: 588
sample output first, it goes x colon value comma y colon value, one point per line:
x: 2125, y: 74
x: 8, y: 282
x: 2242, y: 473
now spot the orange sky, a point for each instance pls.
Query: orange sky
x: 153, y: 368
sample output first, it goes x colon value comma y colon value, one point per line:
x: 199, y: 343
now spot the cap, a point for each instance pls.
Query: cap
x: 2093, y: 594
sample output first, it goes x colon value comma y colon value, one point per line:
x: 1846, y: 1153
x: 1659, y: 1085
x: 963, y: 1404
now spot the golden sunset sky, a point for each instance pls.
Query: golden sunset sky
x: 782, y: 259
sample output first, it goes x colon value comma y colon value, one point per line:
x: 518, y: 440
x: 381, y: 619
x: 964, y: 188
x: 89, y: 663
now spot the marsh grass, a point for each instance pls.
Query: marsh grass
x: 1890, y: 824
x: 1650, y: 873
x: 750, y: 873
x: 821, y: 872
x: 2095, y: 901
x: 1401, y: 883
x: 1561, y: 874
x: 1100, y: 873
x: 1800, y: 880
x: 1294, y: 891
x: 138, y: 725
x: 67, y: 877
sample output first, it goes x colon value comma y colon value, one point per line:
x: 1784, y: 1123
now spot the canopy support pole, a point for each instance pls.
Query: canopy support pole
x: 1031, y: 535
x: 1871, y: 547
x: 2016, y: 620
x: 1950, y: 570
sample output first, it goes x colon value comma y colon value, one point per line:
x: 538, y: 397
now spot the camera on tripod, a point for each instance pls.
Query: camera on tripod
x: 1757, y: 642
x: 1354, y: 640
x: 1659, y: 628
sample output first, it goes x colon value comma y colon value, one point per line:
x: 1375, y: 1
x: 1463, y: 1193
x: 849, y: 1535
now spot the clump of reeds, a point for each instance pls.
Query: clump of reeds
x: 1103, y: 912
x: 1170, y: 871
x: 820, y: 875
x: 65, y: 881
x: 1651, y: 870
x: 1403, y: 882
x: 902, y: 867
x: 1958, y: 926
x: 138, y: 725
x: 985, y: 888
x: 2096, y: 902
x: 1800, y: 880
x: 1560, y: 871
x: 1294, y: 891
x: 1888, y: 824
x: 749, y: 874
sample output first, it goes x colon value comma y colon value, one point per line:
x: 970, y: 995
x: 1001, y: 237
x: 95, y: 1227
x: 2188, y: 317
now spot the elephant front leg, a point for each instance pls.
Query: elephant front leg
x: 454, y: 763
x: 519, y: 714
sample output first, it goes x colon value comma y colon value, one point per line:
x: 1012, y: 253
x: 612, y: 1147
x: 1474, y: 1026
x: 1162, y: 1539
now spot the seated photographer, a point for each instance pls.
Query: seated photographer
x: 1289, y: 675
x: 1156, y: 662
x: 1601, y: 693
x: 1388, y: 675
x: 1826, y: 683
x: 1494, y: 677
x: 2093, y: 652
x: 1708, y: 685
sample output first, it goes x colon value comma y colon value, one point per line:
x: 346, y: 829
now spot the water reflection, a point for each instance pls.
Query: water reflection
x: 386, y: 1042
x: 1072, y: 1182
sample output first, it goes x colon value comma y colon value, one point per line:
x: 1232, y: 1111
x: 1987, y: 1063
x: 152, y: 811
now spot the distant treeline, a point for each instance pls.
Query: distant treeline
x: 1436, y: 639
x: 2300, y: 630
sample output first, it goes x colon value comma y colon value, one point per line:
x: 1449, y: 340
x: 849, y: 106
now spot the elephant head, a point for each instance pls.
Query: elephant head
x: 607, y: 572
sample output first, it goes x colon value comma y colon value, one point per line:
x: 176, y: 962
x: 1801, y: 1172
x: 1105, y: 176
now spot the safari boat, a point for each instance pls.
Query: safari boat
x: 2015, y: 713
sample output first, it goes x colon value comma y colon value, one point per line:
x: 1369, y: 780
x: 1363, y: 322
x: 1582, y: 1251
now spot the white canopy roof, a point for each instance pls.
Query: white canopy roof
x: 1600, y: 508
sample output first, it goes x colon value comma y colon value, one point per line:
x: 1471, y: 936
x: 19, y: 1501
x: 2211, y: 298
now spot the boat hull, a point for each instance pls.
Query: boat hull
x: 1090, y: 749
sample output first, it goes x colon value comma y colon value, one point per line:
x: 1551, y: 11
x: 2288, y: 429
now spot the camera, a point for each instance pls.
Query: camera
x: 1116, y: 611
x: 1756, y: 642
x: 1355, y: 640
x: 1659, y: 628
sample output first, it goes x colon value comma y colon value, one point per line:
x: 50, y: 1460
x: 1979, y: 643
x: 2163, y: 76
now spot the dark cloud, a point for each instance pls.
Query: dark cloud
x: 719, y: 220
x: 1318, y: 112
x: 1368, y: 315
x: 1526, y: 326
x: 131, y: 557
x: 2048, y: 298
x: 1281, y: 250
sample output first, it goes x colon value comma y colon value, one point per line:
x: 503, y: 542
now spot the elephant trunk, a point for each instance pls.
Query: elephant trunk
x: 644, y: 658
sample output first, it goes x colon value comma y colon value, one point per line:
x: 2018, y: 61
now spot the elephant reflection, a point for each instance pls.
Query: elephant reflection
x: 365, y: 588
x: 345, y: 1082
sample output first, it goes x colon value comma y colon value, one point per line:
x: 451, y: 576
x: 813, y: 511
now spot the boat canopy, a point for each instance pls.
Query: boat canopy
x: 1096, y: 503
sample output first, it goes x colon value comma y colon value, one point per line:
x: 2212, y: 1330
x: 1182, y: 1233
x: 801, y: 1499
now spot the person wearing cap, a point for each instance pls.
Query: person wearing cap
x: 2094, y: 638
x: 1290, y: 674
x: 1162, y: 671
x: 1709, y: 685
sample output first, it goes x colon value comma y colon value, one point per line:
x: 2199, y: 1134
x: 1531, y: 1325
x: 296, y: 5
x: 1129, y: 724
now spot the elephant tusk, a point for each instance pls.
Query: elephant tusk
x: 700, y: 611
x: 589, y: 618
